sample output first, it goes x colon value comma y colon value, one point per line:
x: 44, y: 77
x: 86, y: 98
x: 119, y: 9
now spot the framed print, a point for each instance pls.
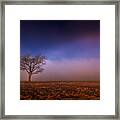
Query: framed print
x: 60, y: 59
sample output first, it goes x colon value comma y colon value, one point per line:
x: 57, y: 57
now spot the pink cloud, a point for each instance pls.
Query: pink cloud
x: 71, y: 70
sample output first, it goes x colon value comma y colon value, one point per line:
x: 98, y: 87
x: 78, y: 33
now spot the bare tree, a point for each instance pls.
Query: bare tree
x: 32, y: 64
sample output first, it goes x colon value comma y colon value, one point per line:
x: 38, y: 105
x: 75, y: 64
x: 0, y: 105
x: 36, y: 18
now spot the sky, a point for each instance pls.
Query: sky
x: 72, y: 48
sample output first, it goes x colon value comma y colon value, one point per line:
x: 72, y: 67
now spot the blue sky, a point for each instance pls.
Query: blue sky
x: 63, y: 40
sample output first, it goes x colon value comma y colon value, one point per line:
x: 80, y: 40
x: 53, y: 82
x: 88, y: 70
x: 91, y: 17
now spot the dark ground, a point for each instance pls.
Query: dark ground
x: 60, y: 90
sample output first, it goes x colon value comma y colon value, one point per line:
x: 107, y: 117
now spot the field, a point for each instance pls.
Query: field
x: 60, y: 90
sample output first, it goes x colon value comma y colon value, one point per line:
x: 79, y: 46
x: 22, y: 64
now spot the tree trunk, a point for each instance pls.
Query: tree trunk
x: 29, y: 79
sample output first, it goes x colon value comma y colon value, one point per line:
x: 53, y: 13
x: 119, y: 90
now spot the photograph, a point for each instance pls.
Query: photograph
x: 59, y: 59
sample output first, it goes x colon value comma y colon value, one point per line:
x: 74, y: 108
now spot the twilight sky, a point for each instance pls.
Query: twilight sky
x: 72, y: 48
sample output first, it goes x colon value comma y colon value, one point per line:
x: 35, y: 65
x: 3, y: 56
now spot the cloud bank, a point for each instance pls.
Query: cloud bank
x: 68, y: 70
